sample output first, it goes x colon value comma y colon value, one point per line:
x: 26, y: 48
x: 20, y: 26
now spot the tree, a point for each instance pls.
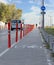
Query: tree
x: 2, y: 11
x: 9, y: 12
x: 18, y: 13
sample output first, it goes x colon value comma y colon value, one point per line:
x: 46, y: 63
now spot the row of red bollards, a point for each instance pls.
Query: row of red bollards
x: 27, y: 28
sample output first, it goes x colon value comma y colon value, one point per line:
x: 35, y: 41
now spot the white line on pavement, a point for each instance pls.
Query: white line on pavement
x: 13, y: 45
x: 1, y: 54
x: 4, y: 52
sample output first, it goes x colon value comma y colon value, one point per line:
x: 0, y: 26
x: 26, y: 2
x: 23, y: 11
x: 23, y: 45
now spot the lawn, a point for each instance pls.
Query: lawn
x: 50, y: 30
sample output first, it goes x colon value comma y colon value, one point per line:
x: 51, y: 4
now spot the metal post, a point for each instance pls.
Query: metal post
x: 43, y: 20
x: 43, y: 15
x: 42, y: 2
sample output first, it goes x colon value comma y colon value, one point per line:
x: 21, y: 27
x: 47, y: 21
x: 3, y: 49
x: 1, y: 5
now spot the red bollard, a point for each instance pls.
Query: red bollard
x: 9, y: 36
x: 21, y: 32
x: 16, y: 32
x: 21, y: 26
x: 24, y: 30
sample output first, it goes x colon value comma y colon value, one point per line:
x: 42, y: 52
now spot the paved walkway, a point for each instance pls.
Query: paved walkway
x: 29, y: 51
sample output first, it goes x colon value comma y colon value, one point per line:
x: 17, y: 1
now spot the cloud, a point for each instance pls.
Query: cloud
x: 35, y: 9
x: 49, y: 18
x: 49, y: 6
x: 50, y: 12
x: 51, y: 1
x: 18, y: 1
x: 31, y: 1
x: 35, y: 2
x: 4, y: 1
x: 10, y: 0
x: 33, y: 16
x: 15, y: 1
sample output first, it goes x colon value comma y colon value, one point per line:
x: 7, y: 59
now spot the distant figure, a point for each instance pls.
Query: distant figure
x: 36, y: 25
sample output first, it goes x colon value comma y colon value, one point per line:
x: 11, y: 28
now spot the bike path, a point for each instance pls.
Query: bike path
x: 29, y: 51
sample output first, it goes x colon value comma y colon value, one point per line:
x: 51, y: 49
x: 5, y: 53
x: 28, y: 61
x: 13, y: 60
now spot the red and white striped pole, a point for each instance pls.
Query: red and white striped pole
x: 9, y: 36
x: 16, y: 32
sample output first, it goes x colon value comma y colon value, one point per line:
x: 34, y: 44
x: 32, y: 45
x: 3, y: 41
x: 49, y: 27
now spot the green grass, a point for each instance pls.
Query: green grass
x: 52, y: 54
x: 47, y: 46
x: 50, y: 30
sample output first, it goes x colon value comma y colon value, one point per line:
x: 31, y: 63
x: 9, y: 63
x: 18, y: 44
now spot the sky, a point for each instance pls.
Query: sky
x: 32, y: 9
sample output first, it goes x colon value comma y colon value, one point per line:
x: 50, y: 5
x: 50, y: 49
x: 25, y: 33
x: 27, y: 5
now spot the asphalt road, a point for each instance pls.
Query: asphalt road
x: 29, y: 51
x: 4, y: 39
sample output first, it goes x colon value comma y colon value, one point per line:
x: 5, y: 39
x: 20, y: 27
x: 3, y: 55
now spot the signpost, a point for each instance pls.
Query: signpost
x: 43, y: 8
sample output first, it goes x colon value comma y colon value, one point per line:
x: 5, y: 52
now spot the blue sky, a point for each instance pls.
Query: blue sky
x: 25, y: 5
x: 31, y: 9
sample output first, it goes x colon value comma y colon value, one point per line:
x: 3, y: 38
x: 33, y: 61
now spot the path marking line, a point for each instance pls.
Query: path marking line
x: 2, y: 53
